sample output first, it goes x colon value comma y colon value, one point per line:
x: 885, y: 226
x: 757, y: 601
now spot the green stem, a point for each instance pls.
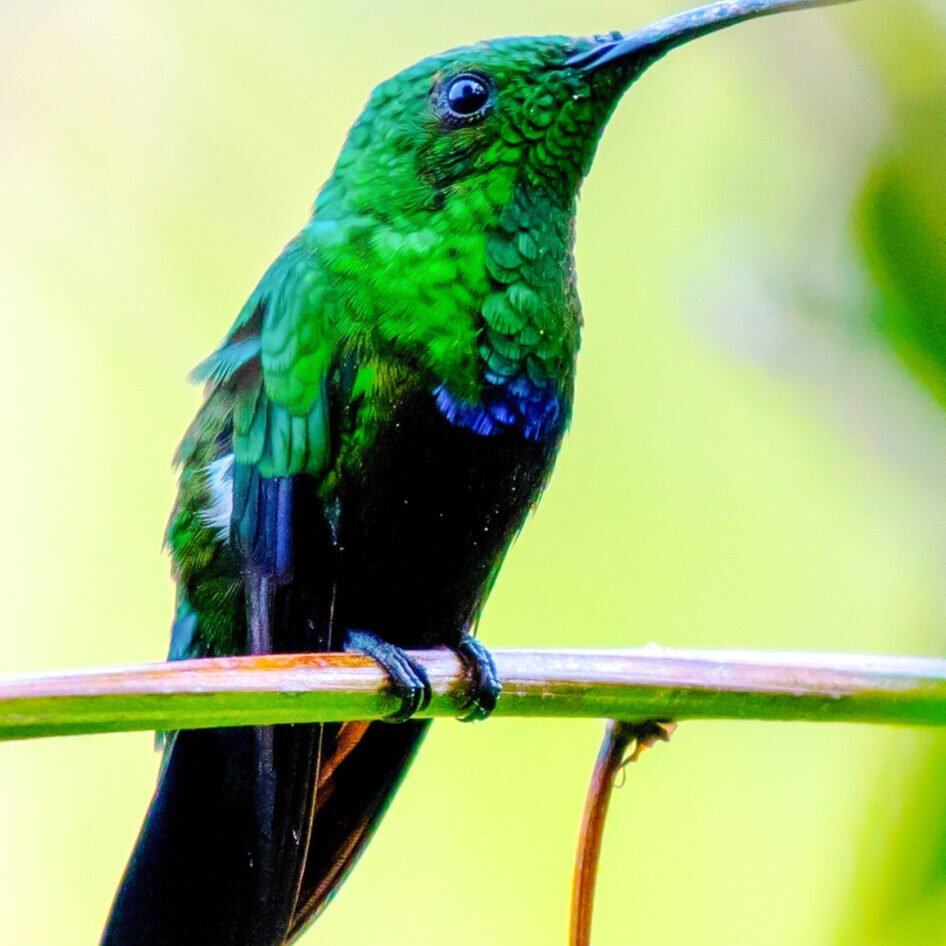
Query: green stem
x: 649, y: 683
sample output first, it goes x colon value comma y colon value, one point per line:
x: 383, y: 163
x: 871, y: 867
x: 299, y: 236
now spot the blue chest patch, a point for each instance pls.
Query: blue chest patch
x: 518, y: 404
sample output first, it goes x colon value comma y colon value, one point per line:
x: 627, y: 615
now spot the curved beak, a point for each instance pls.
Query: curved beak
x: 644, y: 46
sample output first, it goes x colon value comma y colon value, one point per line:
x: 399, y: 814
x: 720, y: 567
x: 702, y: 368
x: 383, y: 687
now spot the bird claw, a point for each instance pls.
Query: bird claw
x: 409, y: 681
x: 484, y: 679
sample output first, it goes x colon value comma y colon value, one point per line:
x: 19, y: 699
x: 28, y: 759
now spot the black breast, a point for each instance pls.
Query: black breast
x: 425, y: 522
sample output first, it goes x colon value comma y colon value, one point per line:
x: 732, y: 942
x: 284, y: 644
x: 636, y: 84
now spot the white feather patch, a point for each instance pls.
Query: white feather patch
x: 220, y: 483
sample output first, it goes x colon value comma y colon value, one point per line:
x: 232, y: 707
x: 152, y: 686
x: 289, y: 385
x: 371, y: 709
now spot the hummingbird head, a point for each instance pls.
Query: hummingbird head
x: 526, y: 110
x: 454, y: 198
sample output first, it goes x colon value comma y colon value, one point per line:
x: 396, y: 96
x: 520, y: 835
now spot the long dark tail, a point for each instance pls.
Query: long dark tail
x: 222, y: 856
x: 222, y: 847
x: 361, y: 768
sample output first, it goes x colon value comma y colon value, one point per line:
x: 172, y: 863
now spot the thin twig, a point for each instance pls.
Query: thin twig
x: 646, y: 683
x: 612, y: 758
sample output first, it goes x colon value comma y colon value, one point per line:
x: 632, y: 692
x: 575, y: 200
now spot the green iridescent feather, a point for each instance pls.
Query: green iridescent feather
x: 378, y: 286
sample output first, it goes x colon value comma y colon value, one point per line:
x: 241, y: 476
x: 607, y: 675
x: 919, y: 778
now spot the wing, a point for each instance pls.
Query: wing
x: 264, y: 425
x: 220, y: 856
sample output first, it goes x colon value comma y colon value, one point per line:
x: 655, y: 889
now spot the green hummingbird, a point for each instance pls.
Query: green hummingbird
x: 377, y: 424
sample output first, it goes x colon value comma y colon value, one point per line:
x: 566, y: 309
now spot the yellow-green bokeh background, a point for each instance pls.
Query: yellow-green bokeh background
x: 750, y: 465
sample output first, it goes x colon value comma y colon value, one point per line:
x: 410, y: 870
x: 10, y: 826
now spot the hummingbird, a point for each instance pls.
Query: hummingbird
x: 377, y: 424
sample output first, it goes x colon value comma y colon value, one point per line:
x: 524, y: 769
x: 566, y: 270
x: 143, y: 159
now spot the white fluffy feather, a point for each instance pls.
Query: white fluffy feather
x: 220, y: 483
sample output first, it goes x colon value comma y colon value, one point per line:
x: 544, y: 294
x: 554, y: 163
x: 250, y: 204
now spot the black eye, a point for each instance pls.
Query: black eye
x: 466, y: 96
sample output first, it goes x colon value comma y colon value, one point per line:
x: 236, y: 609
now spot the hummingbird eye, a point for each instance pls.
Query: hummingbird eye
x: 466, y: 97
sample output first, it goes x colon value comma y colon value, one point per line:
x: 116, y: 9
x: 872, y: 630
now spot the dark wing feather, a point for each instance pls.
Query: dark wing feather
x: 251, y: 830
x: 219, y: 858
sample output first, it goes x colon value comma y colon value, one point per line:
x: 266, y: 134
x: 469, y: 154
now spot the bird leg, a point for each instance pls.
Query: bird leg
x: 485, y: 684
x: 408, y: 678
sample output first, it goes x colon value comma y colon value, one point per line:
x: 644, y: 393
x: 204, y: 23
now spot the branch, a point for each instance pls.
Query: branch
x: 648, y: 683
x: 613, y: 757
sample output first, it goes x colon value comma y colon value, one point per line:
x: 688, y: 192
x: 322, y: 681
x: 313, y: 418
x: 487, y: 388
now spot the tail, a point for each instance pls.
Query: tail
x: 358, y: 779
x: 224, y: 855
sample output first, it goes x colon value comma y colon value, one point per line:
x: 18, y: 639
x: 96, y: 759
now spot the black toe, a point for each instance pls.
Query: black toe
x: 408, y: 678
x: 485, y: 685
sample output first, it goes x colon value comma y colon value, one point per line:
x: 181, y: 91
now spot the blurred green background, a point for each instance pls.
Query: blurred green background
x: 757, y: 457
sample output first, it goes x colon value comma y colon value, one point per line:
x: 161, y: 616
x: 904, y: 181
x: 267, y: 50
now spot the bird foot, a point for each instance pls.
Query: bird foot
x: 408, y: 678
x: 484, y: 679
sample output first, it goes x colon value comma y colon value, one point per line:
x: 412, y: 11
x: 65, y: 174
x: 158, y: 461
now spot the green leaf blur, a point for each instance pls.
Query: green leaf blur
x: 899, y: 892
x: 901, y: 213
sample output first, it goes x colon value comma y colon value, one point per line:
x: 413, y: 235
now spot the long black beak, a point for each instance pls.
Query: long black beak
x: 651, y: 42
